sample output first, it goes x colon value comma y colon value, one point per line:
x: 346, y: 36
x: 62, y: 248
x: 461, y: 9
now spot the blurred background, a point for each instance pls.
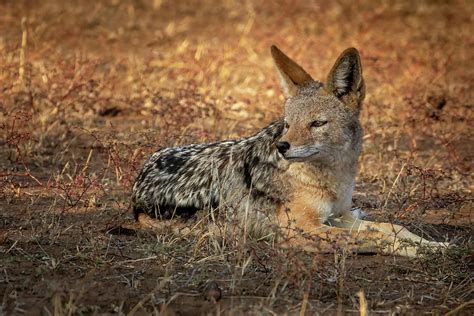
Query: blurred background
x: 159, y: 73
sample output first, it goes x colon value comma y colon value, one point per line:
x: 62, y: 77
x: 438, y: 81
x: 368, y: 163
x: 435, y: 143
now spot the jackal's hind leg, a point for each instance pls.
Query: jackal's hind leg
x: 174, y: 225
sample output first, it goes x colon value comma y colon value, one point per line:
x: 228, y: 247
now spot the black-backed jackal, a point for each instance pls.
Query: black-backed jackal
x: 297, y: 173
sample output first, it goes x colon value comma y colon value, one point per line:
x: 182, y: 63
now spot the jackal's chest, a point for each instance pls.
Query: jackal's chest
x: 321, y: 194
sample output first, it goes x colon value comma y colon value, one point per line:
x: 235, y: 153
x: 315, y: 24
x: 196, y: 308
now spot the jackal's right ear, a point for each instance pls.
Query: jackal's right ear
x: 345, y: 79
x: 291, y: 74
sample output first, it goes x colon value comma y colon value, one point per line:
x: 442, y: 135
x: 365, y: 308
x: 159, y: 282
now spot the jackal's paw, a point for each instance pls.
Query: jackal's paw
x: 440, y: 244
x: 423, y: 249
x: 411, y: 250
x: 435, y: 246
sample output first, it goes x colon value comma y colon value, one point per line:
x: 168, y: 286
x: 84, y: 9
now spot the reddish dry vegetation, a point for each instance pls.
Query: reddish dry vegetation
x: 90, y: 89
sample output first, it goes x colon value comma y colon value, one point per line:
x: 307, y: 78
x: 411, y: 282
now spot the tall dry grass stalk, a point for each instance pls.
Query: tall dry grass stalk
x: 362, y: 303
x: 24, y: 38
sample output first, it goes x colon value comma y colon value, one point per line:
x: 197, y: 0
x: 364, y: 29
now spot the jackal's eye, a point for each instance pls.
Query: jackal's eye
x: 287, y: 125
x: 318, y: 123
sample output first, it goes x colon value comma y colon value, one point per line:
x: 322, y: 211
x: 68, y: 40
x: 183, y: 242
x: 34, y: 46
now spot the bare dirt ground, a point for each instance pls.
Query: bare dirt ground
x: 90, y: 88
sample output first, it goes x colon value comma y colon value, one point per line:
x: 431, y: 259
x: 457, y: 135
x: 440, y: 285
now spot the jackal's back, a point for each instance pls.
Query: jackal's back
x: 182, y: 180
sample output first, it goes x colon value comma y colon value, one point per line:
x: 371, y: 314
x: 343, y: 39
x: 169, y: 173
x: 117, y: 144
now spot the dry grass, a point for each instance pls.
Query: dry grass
x: 89, y: 89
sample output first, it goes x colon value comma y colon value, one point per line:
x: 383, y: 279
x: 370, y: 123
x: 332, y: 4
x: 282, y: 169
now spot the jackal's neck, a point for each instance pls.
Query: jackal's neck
x: 331, y: 181
x: 316, y: 174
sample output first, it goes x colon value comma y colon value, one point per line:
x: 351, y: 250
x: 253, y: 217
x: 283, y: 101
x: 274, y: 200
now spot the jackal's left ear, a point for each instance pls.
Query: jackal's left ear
x: 345, y: 79
x: 292, y: 76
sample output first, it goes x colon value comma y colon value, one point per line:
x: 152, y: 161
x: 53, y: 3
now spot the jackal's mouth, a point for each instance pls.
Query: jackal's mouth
x: 300, y: 155
x: 296, y: 159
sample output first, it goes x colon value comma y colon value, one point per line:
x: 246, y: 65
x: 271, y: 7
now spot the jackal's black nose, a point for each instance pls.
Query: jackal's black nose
x: 283, y: 147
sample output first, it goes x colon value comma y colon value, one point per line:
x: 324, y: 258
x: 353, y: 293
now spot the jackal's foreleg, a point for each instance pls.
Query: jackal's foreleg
x: 348, y: 221
x: 329, y: 239
x: 305, y: 230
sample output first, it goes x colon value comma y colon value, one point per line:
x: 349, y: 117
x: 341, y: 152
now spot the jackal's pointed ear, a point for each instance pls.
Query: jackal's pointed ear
x: 291, y: 74
x: 345, y: 79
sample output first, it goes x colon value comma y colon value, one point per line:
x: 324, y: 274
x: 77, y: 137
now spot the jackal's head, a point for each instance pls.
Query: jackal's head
x: 321, y: 121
